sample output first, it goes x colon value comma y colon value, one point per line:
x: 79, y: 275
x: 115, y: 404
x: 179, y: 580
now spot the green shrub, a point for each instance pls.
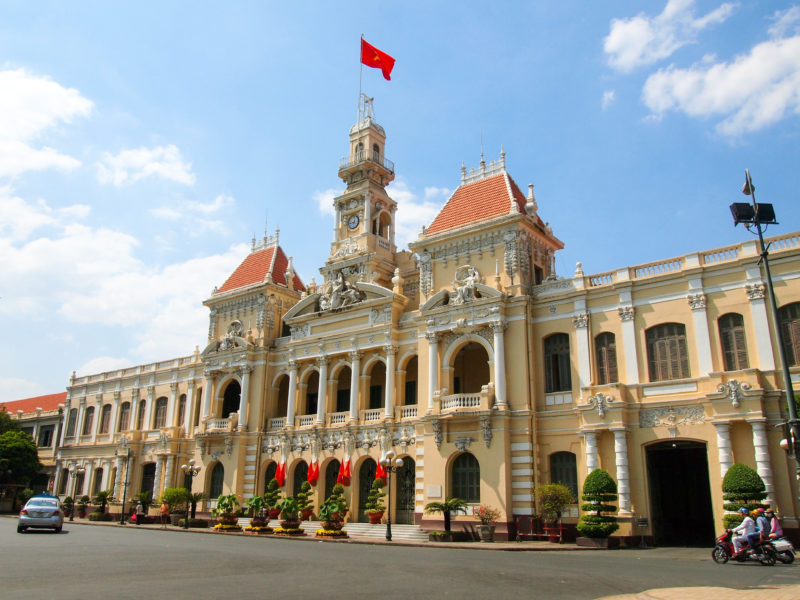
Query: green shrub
x: 374, y: 502
x: 553, y: 498
x: 599, y: 489
x: 99, y: 515
x: 741, y: 487
x: 175, y: 499
x: 273, y: 493
x: 304, y: 497
x: 194, y: 523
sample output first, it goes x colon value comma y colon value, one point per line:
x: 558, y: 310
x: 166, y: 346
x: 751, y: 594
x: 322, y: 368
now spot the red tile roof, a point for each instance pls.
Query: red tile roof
x: 29, y: 405
x: 487, y: 198
x: 255, y: 267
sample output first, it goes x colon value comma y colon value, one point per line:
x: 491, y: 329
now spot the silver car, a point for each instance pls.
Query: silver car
x: 41, y: 512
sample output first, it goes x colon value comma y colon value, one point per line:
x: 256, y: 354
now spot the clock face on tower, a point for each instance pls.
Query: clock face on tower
x: 352, y: 222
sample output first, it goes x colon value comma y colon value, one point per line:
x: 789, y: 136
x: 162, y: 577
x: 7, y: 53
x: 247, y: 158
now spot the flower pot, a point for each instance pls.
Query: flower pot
x: 274, y: 513
x: 290, y: 524
x: 486, y: 532
x: 332, y: 525
x: 375, y: 517
x: 553, y: 533
x: 259, y: 522
x: 228, y: 519
x: 175, y: 518
x: 592, y: 542
x: 305, y: 514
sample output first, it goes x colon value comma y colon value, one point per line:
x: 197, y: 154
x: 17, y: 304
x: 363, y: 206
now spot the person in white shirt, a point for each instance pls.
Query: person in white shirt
x: 746, y: 527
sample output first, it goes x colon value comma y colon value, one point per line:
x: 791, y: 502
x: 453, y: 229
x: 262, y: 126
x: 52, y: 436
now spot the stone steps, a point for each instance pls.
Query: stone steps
x: 410, y: 533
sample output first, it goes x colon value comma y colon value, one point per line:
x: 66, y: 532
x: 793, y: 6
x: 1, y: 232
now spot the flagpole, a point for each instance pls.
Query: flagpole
x: 360, y: 74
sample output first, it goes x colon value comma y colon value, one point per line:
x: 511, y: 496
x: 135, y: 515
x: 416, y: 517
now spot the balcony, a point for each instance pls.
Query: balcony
x: 218, y: 425
x: 482, y: 400
x: 360, y: 158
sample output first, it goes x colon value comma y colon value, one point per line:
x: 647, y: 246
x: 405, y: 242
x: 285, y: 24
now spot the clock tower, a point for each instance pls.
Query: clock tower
x: 363, y: 245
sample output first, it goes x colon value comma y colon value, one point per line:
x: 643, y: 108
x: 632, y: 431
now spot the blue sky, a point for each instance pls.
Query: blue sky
x: 142, y: 146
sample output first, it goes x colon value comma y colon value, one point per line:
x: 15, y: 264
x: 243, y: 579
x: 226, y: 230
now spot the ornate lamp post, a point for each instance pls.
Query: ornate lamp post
x: 127, y: 455
x: 190, y: 471
x: 390, y: 465
x: 75, y: 470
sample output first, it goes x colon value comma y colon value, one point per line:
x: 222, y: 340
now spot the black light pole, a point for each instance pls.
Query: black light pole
x: 76, y: 470
x: 190, y: 471
x: 758, y: 215
x: 390, y: 466
x: 127, y: 456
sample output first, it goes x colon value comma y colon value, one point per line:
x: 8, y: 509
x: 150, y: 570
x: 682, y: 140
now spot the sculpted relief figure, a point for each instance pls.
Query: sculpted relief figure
x: 465, y: 279
x: 342, y: 293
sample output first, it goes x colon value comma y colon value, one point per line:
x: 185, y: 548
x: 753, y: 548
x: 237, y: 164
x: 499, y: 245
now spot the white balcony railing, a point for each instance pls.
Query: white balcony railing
x: 373, y: 414
x: 408, y: 412
x: 338, y: 418
x: 218, y: 424
x: 306, y: 420
x: 461, y: 401
x: 277, y: 423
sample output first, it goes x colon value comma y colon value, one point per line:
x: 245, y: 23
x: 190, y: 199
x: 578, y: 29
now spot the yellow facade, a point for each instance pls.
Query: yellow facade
x: 467, y: 346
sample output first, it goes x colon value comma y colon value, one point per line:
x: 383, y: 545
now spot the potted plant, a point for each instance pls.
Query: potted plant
x: 146, y: 498
x: 374, y: 504
x: 290, y: 512
x: 194, y: 499
x: 227, y: 513
x: 272, y: 496
x: 338, y: 491
x: 330, y: 516
x: 257, y: 506
x: 102, y: 499
x: 83, y: 502
x: 599, y: 490
x: 553, y: 498
x: 450, y: 506
x: 176, y: 501
x: 304, y: 501
x: 741, y: 487
x: 488, y: 517
x: 69, y: 505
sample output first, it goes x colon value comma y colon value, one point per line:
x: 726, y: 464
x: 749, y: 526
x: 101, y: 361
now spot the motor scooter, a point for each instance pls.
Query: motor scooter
x: 723, y: 551
x: 783, y: 549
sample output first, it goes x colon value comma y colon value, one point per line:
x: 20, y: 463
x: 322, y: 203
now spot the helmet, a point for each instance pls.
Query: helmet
x: 760, y: 510
x: 743, y: 510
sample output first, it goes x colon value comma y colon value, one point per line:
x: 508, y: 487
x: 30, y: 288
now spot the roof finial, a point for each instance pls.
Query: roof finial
x: 502, y: 157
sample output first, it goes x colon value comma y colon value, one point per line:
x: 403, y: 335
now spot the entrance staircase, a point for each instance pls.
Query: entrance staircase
x: 408, y: 533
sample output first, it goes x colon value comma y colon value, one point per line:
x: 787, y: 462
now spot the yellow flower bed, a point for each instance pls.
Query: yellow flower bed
x: 282, y: 531
x: 251, y: 529
x: 228, y: 528
x: 331, y: 533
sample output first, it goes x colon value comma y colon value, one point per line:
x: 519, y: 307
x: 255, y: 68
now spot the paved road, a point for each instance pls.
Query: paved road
x: 84, y: 561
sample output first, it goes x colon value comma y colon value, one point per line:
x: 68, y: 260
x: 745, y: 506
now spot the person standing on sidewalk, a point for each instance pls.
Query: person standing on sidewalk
x: 164, y: 514
x: 139, y: 513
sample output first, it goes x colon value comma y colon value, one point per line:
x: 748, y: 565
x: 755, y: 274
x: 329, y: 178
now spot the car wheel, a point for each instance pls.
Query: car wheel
x: 21, y: 529
x: 57, y: 529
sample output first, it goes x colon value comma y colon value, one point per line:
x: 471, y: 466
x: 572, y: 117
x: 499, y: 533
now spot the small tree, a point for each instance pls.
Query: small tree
x: 82, y: 503
x: 175, y: 498
x: 68, y: 504
x: 450, y: 505
x: 304, y: 497
x: 599, y: 489
x: 741, y: 487
x: 146, y: 498
x: 273, y: 493
x: 553, y: 497
x: 374, y: 504
x: 102, y: 498
x: 256, y: 506
x: 194, y: 499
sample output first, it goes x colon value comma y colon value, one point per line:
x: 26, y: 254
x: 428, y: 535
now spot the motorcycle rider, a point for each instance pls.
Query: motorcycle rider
x: 762, y: 529
x: 745, y: 528
x: 775, y: 529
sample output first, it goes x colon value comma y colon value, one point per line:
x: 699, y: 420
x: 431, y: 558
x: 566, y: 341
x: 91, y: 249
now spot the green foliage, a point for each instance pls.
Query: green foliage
x: 450, y: 505
x: 26, y: 494
x: 194, y: 523
x: 7, y: 423
x: 304, y: 496
x: 599, y: 489
x: 732, y: 521
x: 374, y: 502
x: 742, y: 486
x: 256, y: 506
x: 273, y: 493
x: 333, y: 505
x: 68, y: 503
x: 98, y: 515
x: 226, y: 505
x: 83, y: 501
x: 194, y: 499
x: 175, y: 498
x: 146, y: 498
x: 289, y: 508
x: 19, y: 458
x: 553, y: 497
x: 102, y: 498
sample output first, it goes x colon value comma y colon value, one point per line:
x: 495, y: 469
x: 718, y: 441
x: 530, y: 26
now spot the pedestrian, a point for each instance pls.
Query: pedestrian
x: 164, y: 514
x: 139, y: 513
x: 775, y: 529
x: 747, y: 526
x: 762, y: 529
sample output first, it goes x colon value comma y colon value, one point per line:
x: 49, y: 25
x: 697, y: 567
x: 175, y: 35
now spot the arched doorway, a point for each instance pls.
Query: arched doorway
x: 300, y: 475
x: 269, y: 474
x: 148, y: 478
x: 470, y: 369
x: 366, y: 475
x: 405, y: 481
x: 230, y: 402
x: 331, y: 475
x: 680, y: 494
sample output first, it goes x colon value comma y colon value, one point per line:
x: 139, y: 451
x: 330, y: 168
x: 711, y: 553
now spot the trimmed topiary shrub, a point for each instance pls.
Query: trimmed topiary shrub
x: 98, y: 515
x: 599, y: 490
x: 741, y: 487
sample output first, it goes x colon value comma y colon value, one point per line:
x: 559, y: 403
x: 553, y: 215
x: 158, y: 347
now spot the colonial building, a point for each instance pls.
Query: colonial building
x: 485, y: 372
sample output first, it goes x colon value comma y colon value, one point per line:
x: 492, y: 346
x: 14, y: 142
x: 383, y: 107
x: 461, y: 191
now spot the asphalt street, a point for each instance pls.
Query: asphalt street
x: 87, y: 561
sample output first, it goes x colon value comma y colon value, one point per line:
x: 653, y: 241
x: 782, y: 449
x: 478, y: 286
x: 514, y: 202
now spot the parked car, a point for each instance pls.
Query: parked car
x: 41, y: 512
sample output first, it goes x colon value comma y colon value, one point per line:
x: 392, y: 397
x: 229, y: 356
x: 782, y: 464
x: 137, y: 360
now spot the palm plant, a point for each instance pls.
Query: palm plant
x: 449, y: 506
x: 102, y: 498
x: 194, y: 499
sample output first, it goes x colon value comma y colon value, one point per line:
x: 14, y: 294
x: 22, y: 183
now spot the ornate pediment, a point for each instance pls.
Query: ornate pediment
x: 232, y: 340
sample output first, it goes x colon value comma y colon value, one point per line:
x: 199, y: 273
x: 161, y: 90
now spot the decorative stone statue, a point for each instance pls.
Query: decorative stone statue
x: 465, y: 279
x: 342, y: 294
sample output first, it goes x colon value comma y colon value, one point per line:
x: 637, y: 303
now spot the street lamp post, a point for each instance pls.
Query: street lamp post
x: 390, y: 465
x: 127, y: 455
x: 758, y: 215
x: 75, y: 470
x: 190, y: 471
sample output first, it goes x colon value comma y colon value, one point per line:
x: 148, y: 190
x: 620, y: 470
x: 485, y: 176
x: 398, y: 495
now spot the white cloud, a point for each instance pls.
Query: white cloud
x: 102, y: 364
x: 786, y: 22
x: 18, y: 218
x: 643, y: 40
x: 12, y: 388
x: 608, y: 98
x: 751, y: 92
x: 194, y: 213
x: 413, y: 213
x: 129, y: 166
x: 218, y: 204
x: 31, y: 106
x: 324, y: 200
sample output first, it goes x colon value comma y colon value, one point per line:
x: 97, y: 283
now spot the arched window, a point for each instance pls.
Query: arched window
x: 269, y: 475
x: 731, y: 338
x: 98, y: 480
x: 466, y: 476
x: 217, y: 477
x: 300, y: 475
x: 667, y: 357
x: 196, y: 409
x: 331, y: 474
x: 62, y: 482
x: 105, y: 418
x: 564, y: 470
x: 124, y: 416
x: 73, y: 416
x: 230, y: 402
x: 161, y: 413
x: 140, y: 416
x: 789, y: 322
x: 558, y: 377
x: 605, y: 350
x: 181, y: 409
x: 376, y: 153
x: 88, y: 421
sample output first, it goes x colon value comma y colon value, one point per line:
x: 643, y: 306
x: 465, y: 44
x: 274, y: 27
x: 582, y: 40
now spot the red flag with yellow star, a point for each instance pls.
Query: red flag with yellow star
x: 372, y: 57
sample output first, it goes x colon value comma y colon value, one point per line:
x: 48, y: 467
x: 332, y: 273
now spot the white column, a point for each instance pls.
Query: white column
x: 337, y: 222
x: 169, y: 474
x: 148, y: 409
x: 591, y: 451
x: 697, y: 302
x: 322, y: 389
x: 209, y: 380
x: 106, y: 474
x: 244, y: 401
x: 173, y: 404
x: 581, y: 323
x: 292, y: 401
x: 88, y: 477
x: 758, y: 309
x: 433, y: 367
x: 97, y: 412
x: 498, y: 328
x: 79, y: 420
x: 760, y: 443
x: 157, y: 482
x: 724, y: 447
x: 623, y: 478
x: 355, y: 379
x: 57, y: 480
x: 367, y: 225
x: 629, y: 344
x: 134, y: 410
x: 64, y: 424
x: 118, y: 480
x: 187, y: 416
x: 391, y: 381
x: 112, y: 426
